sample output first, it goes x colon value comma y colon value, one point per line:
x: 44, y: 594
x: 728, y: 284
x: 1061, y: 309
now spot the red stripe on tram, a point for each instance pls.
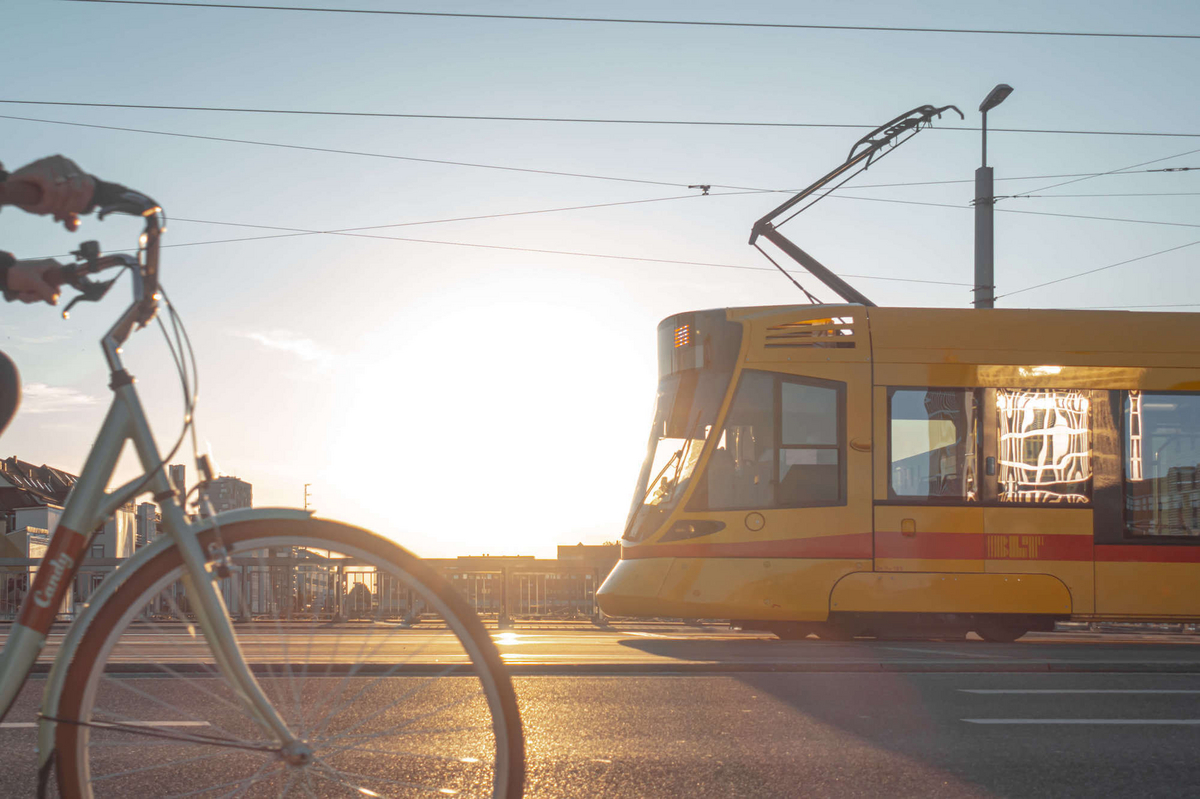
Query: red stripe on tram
x: 1147, y: 553
x: 52, y: 583
x: 851, y: 545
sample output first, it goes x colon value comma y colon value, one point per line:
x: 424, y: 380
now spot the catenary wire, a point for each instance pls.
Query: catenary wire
x: 477, y: 217
x: 574, y: 253
x: 356, y: 153
x: 661, y: 22
x: 1016, y: 211
x: 1115, y: 171
x: 1131, y: 194
x: 1098, y: 269
x: 583, y: 120
x: 1132, y: 307
x: 363, y: 154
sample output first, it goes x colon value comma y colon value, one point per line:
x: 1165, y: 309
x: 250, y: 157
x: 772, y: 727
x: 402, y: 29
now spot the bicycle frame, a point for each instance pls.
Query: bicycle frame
x: 87, y: 508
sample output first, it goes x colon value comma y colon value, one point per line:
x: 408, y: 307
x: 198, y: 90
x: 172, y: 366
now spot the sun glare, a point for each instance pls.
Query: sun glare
x: 502, y: 429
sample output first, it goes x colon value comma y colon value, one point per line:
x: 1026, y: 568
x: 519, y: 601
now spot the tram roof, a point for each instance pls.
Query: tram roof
x: 970, y: 336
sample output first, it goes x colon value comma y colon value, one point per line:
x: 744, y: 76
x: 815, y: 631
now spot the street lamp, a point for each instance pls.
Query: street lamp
x: 985, y: 283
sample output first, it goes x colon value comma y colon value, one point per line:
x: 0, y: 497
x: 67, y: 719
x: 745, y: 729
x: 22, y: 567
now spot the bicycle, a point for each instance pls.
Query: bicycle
x: 303, y: 717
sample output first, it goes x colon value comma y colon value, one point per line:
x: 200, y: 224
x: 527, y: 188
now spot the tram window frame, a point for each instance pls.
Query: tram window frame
x: 699, y: 500
x: 981, y: 421
x: 839, y: 447
x: 1118, y: 530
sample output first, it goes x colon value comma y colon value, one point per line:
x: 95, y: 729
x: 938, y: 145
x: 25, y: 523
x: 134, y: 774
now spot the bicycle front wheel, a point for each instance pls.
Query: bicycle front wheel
x: 372, y: 659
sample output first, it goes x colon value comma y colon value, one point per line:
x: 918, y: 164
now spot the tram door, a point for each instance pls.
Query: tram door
x: 928, y: 517
x: 1148, y: 523
x: 1039, y: 482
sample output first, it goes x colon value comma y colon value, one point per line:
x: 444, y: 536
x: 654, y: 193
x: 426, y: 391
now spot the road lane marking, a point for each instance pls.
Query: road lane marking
x: 1159, y: 722
x: 26, y: 725
x: 1076, y: 691
x: 944, y: 652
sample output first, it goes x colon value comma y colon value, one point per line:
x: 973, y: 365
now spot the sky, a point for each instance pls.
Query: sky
x: 463, y: 398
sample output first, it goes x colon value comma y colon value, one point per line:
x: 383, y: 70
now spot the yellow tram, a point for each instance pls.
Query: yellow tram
x: 859, y: 470
x: 850, y: 469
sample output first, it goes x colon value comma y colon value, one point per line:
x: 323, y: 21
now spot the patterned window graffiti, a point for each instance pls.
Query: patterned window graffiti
x: 1162, y: 450
x: 1044, y: 446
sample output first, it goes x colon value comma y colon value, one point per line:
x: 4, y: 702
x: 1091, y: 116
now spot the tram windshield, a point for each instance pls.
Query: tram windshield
x: 696, y: 354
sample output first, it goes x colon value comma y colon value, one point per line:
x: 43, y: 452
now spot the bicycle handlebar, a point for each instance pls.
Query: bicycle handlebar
x: 107, y: 198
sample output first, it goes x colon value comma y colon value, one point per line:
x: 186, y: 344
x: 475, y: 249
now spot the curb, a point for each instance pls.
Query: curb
x: 663, y: 669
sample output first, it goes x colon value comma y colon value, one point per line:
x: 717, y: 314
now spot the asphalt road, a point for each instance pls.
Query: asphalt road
x: 695, y: 713
x: 649, y: 648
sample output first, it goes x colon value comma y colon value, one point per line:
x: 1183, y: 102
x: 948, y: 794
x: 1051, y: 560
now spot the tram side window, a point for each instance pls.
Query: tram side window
x: 934, y: 444
x: 781, y: 447
x: 1162, y: 453
x: 810, y: 468
x: 1045, y: 447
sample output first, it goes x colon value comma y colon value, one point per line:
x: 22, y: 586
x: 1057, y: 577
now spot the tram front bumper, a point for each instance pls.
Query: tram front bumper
x: 632, y: 587
x: 778, y: 589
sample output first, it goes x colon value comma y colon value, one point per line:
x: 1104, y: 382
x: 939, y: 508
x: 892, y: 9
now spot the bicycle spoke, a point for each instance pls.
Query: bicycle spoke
x: 423, y: 685
x: 144, y: 769
x: 250, y: 779
x: 386, y: 780
x: 436, y: 711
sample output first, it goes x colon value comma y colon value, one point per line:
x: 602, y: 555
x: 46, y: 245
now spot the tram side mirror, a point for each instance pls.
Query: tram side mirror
x: 989, y: 466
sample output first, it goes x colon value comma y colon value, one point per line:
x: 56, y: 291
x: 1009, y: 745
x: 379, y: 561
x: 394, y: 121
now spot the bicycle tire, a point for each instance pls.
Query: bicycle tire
x: 94, y: 672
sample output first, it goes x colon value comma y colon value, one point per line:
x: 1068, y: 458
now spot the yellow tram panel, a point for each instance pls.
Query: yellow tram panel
x: 867, y: 592
x: 1055, y: 541
x: 925, y: 529
x: 1147, y: 589
x: 766, y: 588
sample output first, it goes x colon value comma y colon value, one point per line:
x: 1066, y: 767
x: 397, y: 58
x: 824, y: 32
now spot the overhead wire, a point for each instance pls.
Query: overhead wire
x: 1135, y: 307
x: 578, y: 120
x: 738, y: 190
x: 556, y: 173
x: 1016, y: 211
x: 1111, y: 172
x: 661, y: 22
x: 1098, y: 269
x: 1128, y: 194
x: 298, y: 232
x: 478, y: 217
x: 354, y: 152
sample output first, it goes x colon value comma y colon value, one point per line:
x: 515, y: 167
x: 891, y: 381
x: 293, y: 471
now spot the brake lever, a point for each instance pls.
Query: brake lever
x: 75, y: 275
x: 89, y: 291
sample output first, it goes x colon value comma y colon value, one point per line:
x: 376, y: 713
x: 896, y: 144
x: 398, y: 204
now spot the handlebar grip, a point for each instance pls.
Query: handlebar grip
x: 55, y: 276
x: 105, y: 194
x: 16, y: 192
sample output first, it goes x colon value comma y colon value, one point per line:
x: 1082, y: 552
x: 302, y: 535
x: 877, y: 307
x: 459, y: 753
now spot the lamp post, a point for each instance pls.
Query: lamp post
x: 985, y: 282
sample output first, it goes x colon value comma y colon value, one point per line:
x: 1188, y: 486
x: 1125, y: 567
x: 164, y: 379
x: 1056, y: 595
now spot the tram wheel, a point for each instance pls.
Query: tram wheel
x: 790, y: 630
x: 999, y: 632
x: 832, y: 631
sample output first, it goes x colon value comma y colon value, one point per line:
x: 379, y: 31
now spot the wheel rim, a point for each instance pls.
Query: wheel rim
x: 383, y: 710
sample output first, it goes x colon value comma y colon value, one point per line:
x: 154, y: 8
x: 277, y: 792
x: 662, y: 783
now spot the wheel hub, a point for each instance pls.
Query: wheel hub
x: 297, y: 753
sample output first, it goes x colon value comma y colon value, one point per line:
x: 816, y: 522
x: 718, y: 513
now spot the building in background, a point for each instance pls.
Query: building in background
x: 229, y: 493
x: 178, y: 474
x: 148, y: 518
x: 31, y: 502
